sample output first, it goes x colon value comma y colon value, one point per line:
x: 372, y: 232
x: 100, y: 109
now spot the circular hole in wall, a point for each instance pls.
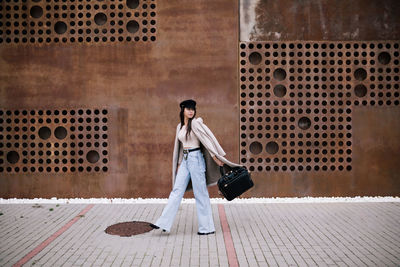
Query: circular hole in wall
x: 12, y: 157
x: 44, y: 132
x: 360, y: 90
x: 60, y: 27
x: 280, y: 90
x: 36, y: 11
x: 60, y: 132
x: 304, y: 123
x: 280, y: 74
x: 132, y: 26
x: 100, y: 18
x: 272, y: 147
x: 255, y: 58
x: 255, y: 147
x: 92, y: 156
x: 360, y: 74
x: 384, y: 58
x: 132, y: 3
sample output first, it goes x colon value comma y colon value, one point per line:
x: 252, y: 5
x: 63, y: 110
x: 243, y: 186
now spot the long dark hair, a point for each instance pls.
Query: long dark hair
x: 189, y: 125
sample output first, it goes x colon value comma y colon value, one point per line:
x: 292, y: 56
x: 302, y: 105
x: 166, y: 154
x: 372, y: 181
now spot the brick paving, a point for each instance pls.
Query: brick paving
x: 263, y: 234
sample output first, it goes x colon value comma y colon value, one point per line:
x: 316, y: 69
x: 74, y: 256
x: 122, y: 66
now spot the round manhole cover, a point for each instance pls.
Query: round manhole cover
x: 128, y: 228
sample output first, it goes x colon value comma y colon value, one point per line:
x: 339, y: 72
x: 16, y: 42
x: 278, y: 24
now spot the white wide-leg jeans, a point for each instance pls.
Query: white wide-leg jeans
x: 194, y: 168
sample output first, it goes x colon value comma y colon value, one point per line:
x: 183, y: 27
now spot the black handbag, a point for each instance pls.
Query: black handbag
x: 235, y: 182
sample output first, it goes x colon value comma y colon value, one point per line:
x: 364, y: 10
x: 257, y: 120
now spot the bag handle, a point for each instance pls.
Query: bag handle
x: 221, y: 170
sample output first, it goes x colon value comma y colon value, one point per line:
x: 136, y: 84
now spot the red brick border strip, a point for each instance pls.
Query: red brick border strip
x: 230, y: 249
x: 45, y: 243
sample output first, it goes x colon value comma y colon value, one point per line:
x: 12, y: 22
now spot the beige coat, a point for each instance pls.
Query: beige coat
x: 208, y: 143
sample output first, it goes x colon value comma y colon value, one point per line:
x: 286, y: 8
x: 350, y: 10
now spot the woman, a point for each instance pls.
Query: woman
x: 195, y: 169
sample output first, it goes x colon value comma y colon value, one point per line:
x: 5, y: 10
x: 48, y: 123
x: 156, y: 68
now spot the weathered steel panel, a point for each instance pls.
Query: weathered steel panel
x: 298, y: 100
x: 308, y: 116
x: 282, y: 20
x: 319, y: 84
x: 140, y: 82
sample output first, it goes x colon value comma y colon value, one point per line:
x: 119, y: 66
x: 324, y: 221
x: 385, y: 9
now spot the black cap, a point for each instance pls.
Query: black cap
x: 189, y: 103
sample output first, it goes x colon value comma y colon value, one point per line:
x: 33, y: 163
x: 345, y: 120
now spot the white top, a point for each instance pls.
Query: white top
x: 192, y: 140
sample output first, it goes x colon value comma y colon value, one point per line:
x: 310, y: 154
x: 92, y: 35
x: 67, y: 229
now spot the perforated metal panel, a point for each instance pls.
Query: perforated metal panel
x: 77, y: 21
x: 52, y: 141
x: 296, y: 100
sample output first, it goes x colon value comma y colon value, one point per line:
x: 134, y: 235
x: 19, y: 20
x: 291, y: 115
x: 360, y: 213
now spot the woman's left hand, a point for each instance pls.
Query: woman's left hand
x: 219, y: 163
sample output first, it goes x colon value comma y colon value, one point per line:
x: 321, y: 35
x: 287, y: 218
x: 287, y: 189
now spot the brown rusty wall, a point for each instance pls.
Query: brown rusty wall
x: 282, y: 20
x: 319, y: 97
x: 321, y: 117
x: 140, y: 83
x: 89, y: 94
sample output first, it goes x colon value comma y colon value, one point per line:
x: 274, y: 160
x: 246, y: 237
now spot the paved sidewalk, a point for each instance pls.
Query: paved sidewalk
x: 268, y: 234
